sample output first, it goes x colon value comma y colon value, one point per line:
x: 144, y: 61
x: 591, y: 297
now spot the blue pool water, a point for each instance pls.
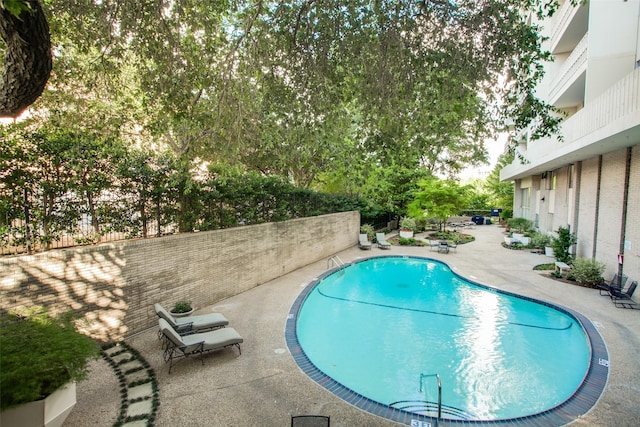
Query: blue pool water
x: 386, y: 326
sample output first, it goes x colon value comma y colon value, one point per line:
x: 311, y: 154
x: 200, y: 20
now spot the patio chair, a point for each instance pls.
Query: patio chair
x: 433, y: 244
x: 443, y: 247
x: 623, y: 299
x: 191, y: 324
x: 310, y: 421
x: 615, y: 284
x: 178, y: 346
x: 363, y: 241
x: 382, y: 241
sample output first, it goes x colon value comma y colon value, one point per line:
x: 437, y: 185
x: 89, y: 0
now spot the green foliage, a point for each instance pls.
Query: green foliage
x: 438, y: 198
x: 181, y: 307
x: 506, y: 214
x: 587, y: 271
x: 40, y: 353
x: 501, y: 192
x: 453, y: 236
x: 368, y: 230
x: 520, y: 225
x: 540, y: 240
x: 15, y: 7
x: 407, y: 241
x: 545, y: 267
x: 562, y: 243
x: 408, y: 223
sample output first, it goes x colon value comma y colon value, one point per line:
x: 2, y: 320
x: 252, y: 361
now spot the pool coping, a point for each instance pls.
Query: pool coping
x: 578, y: 404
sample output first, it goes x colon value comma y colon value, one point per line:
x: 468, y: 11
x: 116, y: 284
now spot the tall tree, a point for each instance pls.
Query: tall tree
x: 27, y: 57
x: 438, y: 199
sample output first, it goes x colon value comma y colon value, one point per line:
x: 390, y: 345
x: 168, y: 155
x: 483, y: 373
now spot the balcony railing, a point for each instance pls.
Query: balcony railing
x: 621, y: 100
x: 570, y: 70
x: 563, y: 17
x: 616, y: 110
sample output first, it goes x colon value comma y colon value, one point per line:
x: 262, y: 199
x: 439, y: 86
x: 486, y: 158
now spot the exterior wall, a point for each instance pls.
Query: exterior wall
x: 593, y: 209
x: 114, y: 286
x: 587, y: 208
x: 632, y: 232
x: 610, y: 209
x: 613, y: 26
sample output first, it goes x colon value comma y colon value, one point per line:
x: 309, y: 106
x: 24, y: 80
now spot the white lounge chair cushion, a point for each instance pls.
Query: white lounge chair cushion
x: 192, y: 323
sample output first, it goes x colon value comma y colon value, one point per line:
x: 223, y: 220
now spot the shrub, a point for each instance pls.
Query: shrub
x: 587, y: 271
x: 562, y: 243
x: 407, y: 242
x: 422, y: 224
x: 41, y: 353
x: 368, y: 230
x: 506, y: 214
x: 408, y: 223
x: 540, y: 240
x: 520, y: 224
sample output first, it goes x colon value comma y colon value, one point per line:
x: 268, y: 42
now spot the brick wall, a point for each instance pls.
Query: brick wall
x: 632, y: 250
x: 114, y: 286
x: 587, y: 209
x: 610, y: 210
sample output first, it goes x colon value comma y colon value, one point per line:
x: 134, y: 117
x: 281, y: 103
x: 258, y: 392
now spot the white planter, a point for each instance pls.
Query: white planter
x: 49, y: 412
x: 548, y: 251
x: 407, y: 234
x: 185, y: 314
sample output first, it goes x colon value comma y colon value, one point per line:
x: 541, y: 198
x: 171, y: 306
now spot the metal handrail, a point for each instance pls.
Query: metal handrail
x: 336, y: 260
x: 423, y: 376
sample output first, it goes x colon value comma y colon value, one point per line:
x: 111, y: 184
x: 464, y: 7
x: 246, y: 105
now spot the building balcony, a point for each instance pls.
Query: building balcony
x: 570, y: 25
x: 568, y: 86
x: 608, y: 123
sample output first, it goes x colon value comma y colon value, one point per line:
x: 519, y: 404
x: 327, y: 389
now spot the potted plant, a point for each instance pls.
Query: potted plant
x: 182, y: 308
x: 407, y: 227
x: 42, y: 358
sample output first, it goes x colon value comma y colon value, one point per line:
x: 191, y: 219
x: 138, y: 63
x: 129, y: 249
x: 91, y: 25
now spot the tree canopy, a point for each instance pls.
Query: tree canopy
x: 283, y: 85
x: 358, y: 97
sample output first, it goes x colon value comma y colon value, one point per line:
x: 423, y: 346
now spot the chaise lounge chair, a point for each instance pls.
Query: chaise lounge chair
x: 178, y: 346
x: 623, y: 299
x: 192, y: 324
x: 615, y: 284
x: 363, y: 242
x: 382, y: 241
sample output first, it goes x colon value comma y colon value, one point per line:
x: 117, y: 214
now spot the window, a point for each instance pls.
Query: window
x: 526, y: 202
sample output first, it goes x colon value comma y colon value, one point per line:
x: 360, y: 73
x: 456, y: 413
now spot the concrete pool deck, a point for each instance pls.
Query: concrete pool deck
x: 265, y: 387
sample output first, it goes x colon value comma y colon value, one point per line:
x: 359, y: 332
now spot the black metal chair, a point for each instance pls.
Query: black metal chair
x: 623, y: 299
x: 310, y: 421
x: 616, y: 284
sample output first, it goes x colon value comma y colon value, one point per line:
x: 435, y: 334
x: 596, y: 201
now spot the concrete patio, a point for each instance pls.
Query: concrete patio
x: 265, y: 387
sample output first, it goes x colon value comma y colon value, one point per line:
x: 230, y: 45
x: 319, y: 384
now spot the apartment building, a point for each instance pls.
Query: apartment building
x: 590, y: 179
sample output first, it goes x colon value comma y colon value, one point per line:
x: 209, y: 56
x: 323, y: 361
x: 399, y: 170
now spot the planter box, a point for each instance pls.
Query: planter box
x: 548, y: 251
x: 406, y: 234
x: 521, y: 238
x: 49, y: 412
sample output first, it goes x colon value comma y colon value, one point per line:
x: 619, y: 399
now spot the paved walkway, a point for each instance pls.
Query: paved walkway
x: 264, y: 386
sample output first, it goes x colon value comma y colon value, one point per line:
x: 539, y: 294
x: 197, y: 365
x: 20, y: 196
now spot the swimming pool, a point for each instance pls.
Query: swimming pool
x: 383, y: 331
